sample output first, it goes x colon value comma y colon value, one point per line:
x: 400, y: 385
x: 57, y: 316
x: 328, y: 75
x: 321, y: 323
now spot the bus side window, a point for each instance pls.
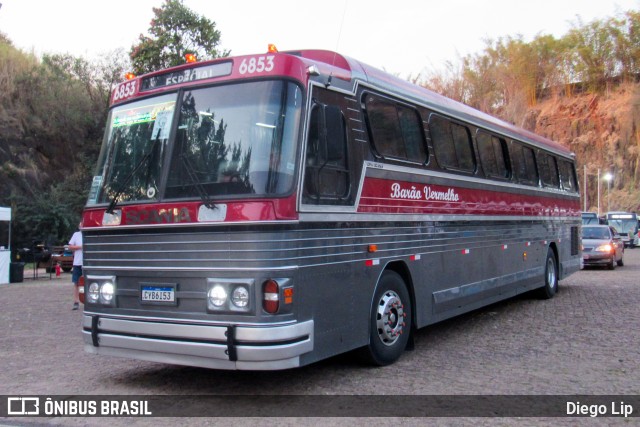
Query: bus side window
x: 530, y: 161
x: 492, y: 156
x: 524, y: 164
x: 396, y: 130
x: 462, y: 142
x: 548, y: 170
x: 567, y: 176
x: 442, y: 141
x: 326, y: 178
x: 451, y: 144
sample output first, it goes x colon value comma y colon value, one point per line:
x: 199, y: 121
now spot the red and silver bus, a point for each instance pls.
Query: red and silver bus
x: 267, y: 211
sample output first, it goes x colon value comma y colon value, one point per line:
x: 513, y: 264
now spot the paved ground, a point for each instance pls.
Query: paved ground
x: 584, y: 341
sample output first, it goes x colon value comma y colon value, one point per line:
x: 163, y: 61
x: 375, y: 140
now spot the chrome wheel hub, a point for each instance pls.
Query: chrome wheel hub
x: 390, y: 318
x: 551, y: 274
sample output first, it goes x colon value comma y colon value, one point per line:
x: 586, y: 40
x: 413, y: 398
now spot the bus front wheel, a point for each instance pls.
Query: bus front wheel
x: 390, y: 323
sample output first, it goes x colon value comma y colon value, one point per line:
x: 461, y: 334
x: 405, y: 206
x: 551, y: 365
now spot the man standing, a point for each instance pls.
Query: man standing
x: 75, y: 245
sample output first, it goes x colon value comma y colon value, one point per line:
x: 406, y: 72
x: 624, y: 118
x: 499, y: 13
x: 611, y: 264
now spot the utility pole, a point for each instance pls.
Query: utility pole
x: 585, y: 189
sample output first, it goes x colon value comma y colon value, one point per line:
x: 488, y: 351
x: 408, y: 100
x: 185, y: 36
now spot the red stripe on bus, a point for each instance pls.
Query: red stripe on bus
x: 402, y: 197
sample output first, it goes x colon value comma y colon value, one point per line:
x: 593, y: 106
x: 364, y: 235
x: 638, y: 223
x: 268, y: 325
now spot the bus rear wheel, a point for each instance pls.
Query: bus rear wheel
x: 550, y: 276
x: 390, y: 323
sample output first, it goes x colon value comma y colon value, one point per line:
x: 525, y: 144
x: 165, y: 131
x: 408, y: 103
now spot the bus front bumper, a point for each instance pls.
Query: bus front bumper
x: 242, y: 347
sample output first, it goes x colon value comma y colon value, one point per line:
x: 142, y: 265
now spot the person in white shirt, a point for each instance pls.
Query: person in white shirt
x: 75, y: 245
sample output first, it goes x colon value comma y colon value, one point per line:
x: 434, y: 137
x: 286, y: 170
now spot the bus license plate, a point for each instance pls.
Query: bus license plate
x: 158, y: 294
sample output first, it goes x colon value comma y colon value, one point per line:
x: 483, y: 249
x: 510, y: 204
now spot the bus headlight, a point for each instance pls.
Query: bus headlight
x: 101, y: 290
x: 94, y: 293
x: 217, y: 296
x: 230, y: 295
x: 240, y: 297
x: 106, y: 293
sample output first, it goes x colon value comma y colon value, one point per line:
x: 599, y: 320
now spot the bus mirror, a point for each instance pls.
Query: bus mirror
x: 334, y: 133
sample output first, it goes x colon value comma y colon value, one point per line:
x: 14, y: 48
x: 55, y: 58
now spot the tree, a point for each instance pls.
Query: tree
x: 593, y: 53
x: 175, y: 31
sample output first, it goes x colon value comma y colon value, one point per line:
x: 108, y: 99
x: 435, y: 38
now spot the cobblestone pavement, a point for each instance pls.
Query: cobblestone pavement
x: 584, y: 341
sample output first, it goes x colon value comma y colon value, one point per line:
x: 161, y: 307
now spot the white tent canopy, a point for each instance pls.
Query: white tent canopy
x: 5, y: 214
x: 5, y: 252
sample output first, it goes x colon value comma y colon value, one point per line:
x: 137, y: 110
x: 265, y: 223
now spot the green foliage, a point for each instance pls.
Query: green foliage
x: 52, y: 115
x: 174, y: 32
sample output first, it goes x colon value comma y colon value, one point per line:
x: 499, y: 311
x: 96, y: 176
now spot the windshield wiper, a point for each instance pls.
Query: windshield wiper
x: 114, y: 200
x: 202, y: 193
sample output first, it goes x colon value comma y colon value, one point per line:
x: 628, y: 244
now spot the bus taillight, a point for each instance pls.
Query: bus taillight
x: 271, y: 301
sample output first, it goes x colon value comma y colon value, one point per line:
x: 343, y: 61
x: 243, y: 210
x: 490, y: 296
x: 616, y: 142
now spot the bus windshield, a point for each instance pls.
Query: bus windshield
x: 131, y: 157
x: 231, y: 140
x: 624, y: 225
x: 589, y: 218
x: 235, y: 140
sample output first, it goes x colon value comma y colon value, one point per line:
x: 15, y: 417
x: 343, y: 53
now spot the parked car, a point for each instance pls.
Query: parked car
x: 602, y: 245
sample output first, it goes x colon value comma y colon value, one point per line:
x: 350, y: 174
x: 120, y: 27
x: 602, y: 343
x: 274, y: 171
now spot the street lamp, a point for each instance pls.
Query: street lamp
x: 608, y: 177
x: 597, y: 188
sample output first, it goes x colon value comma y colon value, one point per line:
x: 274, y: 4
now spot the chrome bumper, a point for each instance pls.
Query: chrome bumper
x: 268, y: 347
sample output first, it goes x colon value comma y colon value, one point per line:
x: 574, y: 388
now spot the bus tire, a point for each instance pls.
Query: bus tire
x: 550, y: 276
x: 390, y: 322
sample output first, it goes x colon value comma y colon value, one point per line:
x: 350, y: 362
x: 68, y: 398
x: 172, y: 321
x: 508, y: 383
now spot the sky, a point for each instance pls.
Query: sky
x: 404, y: 37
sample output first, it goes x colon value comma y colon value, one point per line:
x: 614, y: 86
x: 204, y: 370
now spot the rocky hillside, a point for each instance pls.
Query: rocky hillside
x: 604, y: 132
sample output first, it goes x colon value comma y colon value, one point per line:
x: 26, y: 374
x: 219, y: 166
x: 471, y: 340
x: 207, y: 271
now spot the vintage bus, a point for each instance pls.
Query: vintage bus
x: 267, y: 211
x: 590, y: 218
x: 626, y: 223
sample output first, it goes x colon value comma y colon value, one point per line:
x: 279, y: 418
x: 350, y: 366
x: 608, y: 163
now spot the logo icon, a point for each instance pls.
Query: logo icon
x: 23, y: 406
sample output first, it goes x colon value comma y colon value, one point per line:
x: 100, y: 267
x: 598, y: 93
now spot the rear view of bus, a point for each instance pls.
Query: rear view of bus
x: 268, y: 211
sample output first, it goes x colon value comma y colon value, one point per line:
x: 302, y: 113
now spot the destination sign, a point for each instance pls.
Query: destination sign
x: 188, y: 75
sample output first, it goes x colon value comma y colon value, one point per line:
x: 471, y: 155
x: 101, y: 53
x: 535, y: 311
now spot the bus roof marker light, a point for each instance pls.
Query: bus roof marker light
x: 271, y: 48
x: 313, y: 70
x: 190, y: 58
x: 129, y: 76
